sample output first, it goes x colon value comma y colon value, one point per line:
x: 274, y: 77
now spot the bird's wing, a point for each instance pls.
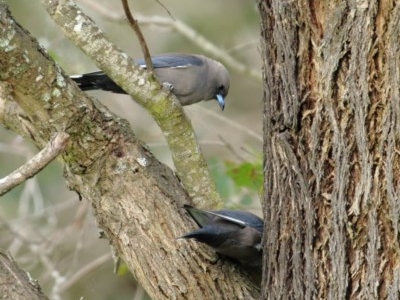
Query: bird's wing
x: 176, y: 61
x: 242, y: 218
x: 201, y: 217
x: 96, y: 73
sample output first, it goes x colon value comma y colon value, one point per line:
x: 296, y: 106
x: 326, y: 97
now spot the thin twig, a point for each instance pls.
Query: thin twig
x: 36, y: 164
x: 203, y: 43
x: 110, y: 14
x: 166, y: 9
x: 135, y: 26
x: 84, y: 271
x: 231, y: 149
x: 232, y: 123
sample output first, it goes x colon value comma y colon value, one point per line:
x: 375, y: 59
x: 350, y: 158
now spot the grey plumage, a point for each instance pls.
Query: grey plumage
x: 236, y: 234
x: 194, y: 78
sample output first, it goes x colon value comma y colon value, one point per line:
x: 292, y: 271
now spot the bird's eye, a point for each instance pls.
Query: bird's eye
x: 221, y: 89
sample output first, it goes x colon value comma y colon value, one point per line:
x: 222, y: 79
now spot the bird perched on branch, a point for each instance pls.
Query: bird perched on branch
x: 236, y: 234
x: 193, y: 78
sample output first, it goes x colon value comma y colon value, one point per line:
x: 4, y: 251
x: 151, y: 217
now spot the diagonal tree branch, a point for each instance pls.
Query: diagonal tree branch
x: 57, y: 144
x: 189, y: 162
x: 136, y: 200
x: 24, y: 287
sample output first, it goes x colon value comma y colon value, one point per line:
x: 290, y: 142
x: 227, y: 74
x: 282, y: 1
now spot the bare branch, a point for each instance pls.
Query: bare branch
x: 36, y: 164
x: 111, y: 14
x: 231, y: 123
x: 84, y: 271
x: 134, y: 25
x: 165, y: 8
x: 189, y: 161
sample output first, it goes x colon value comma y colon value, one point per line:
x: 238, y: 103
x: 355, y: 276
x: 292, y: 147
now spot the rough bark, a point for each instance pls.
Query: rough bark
x: 23, y: 286
x: 188, y: 159
x: 331, y: 122
x: 136, y: 200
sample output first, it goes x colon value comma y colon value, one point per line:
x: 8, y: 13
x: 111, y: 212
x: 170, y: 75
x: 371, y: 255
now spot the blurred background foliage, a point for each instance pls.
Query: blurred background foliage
x: 52, y: 234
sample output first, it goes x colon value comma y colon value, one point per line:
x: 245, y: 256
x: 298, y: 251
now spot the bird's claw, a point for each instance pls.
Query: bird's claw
x: 167, y: 87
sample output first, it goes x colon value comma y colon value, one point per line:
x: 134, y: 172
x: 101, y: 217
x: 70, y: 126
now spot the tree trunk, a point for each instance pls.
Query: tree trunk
x: 331, y: 124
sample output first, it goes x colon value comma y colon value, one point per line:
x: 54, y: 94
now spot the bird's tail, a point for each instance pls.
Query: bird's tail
x: 96, y: 81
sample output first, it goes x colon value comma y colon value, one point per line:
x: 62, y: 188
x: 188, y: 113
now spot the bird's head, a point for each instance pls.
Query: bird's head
x: 221, y: 83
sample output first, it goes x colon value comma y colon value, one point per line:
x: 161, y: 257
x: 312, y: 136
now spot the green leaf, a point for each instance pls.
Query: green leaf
x: 248, y: 175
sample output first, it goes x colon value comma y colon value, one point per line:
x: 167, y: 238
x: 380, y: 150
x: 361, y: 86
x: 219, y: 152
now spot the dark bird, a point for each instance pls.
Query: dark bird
x: 236, y: 234
x: 193, y: 78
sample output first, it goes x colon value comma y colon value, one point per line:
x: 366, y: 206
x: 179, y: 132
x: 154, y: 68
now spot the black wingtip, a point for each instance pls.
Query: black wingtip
x: 203, y: 235
x: 187, y: 206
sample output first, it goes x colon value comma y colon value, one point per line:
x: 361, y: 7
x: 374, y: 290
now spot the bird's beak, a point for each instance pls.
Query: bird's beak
x: 221, y: 101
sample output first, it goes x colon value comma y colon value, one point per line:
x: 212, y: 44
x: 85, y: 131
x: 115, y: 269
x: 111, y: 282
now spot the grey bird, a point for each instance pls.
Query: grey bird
x: 193, y: 78
x: 235, y: 234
